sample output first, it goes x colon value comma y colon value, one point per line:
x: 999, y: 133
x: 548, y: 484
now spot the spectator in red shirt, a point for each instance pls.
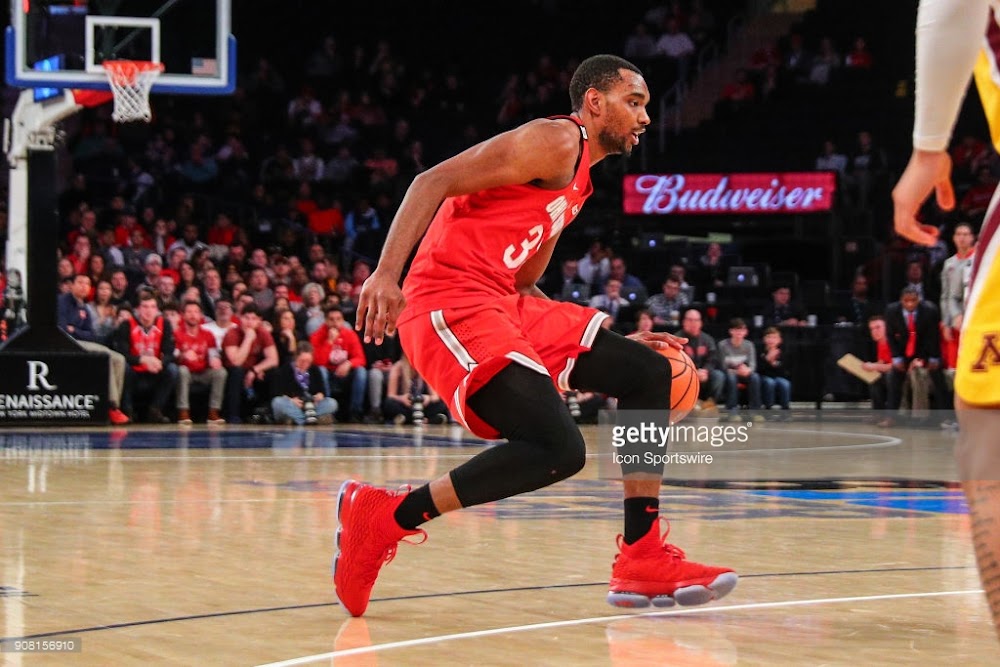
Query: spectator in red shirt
x: 859, y: 57
x: 978, y: 197
x: 249, y: 353
x: 341, y: 356
x: 882, y: 363
x: 222, y: 231
x: 199, y: 361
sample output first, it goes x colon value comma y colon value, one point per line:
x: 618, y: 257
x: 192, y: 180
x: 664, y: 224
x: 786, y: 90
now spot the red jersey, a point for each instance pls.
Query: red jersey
x: 477, y: 242
x: 145, y: 342
x: 200, y: 343
x: 345, y: 347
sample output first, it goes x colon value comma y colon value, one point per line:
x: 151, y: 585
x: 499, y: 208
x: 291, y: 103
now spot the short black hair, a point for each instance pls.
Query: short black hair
x: 600, y: 72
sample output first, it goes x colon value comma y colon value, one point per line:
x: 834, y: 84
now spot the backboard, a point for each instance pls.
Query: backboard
x: 62, y: 43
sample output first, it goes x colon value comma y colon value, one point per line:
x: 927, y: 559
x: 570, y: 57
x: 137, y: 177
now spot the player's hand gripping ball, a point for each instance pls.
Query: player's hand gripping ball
x: 684, y: 385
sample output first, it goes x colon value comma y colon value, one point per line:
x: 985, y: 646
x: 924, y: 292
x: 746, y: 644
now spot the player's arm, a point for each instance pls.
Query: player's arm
x: 539, y: 151
x: 949, y: 36
x: 527, y: 276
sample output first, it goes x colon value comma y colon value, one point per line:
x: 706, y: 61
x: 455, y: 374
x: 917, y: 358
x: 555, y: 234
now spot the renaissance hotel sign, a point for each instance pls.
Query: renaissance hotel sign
x: 729, y: 194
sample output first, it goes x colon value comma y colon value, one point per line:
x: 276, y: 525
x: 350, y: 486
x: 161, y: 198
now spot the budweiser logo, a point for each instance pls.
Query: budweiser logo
x: 662, y: 194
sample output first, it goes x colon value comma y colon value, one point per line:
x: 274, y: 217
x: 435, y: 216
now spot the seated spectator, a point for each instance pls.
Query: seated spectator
x: 797, y: 62
x: 879, y: 351
x: 679, y: 271
x: 568, y: 278
x: 737, y: 94
x: 199, y: 361
x: 311, y: 316
x: 409, y: 399
x: 249, y: 354
x: 831, y: 159
x: 704, y: 353
x: 223, y: 322
x: 977, y: 198
x: 913, y: 328
x: 712, y: 268
x: 782, y: 311
x: 104, y: 314
x: 299, y: 391
x: 867, y: 173
x: 738, y: 359
x: 775, y: 385
x: 644, y: 322
x: 639, y: 44
x: 675, y: 45
x: 611, y: 302
x: 147, y: 342
x: 825, y: 64
x: 75, y: 317
x: 380, y: 360
x: 666, y: 307
x: 338, y: 349
x: 858, y: 309
x: 260, y: 289
x: 859, y: 57
x: 915, y: 280
x: 619, y: 271
x: 212, y: 291
x: 286, y: 336
x: 595, y: 266
x: 222, y: 232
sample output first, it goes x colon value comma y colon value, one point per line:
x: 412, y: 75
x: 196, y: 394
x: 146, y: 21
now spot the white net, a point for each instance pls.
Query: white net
x: 131, y: 81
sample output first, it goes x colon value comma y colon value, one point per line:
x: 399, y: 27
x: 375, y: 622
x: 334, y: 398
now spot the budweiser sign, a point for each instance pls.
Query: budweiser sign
x: 720, y: 194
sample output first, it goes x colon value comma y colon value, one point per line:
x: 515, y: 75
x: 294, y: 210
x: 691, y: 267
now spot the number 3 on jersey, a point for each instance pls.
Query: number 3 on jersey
x: 557, y: 212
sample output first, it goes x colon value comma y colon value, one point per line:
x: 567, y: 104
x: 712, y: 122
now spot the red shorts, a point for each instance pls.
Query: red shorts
x: 457, y: 351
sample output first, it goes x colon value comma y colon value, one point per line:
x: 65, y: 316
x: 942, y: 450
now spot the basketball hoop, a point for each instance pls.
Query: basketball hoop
x: 131, y: 81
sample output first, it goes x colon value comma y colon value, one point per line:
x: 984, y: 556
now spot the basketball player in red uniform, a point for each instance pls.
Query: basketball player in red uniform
x: 475, y: 326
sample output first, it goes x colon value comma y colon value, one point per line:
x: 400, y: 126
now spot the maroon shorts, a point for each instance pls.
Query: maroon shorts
x: 457, y: 351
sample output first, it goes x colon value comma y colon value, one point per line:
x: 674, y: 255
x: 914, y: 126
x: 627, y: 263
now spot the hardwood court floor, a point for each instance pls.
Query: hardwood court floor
x: 213, y: 547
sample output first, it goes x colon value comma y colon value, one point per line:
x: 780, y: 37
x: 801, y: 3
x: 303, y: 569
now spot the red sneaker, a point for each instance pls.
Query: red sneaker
x: 366, y: 540
x: 653, y: 571
x: 118, y: 417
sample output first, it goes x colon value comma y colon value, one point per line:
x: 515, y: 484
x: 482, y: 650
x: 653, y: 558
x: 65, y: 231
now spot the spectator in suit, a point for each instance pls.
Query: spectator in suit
x: 704, y: 353
x: 77, y: 319
x: 567, y: 276
x: 299, y: 381
x: 782, y: 311
x: 913, y: 327
x: 611, y: 302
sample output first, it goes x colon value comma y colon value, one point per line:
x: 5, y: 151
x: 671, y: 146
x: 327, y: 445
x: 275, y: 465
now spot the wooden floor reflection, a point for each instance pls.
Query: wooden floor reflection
x: 214, y: 547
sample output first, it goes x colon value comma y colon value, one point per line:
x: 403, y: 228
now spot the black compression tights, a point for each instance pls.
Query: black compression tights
x: 544, y: 444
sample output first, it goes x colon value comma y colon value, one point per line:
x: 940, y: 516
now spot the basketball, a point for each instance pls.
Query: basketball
x: 684, y: 387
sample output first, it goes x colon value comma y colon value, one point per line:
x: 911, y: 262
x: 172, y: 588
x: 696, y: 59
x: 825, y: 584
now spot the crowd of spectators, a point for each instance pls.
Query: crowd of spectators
x: 262, y: 214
